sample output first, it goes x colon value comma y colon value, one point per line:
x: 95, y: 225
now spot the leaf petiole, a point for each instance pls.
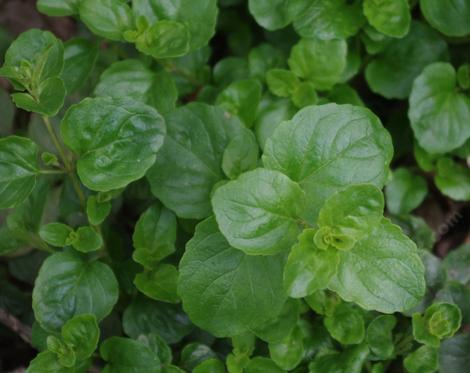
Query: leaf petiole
x: 68, y: 166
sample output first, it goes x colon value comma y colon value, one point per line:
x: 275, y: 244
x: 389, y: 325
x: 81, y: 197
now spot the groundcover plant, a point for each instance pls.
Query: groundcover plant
x: 235, y: 186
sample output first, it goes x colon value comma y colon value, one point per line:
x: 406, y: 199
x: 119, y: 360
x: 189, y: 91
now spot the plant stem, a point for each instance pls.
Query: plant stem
x: 12, y: 323
x: 41, y: 245
x: 51, y: 172
x: 68, y: 166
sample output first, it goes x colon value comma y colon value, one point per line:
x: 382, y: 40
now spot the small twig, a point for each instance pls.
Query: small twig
x: 18, y: 370
x: 11, y: 322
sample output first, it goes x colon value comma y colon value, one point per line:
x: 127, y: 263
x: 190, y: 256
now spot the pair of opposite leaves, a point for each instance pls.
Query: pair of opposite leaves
x: 324, y: 149
x: 328, y: 19
x: 160, y: 29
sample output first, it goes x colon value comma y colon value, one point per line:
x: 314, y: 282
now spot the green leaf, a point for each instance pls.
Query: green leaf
x: 374, y: 41
x: 450, y: 20
x: 289, y: 352
x: 225, y: 291
x: 320, y: 61
x: 47, y: 362
x: 378, y: 368
x: 58, y: 8
x: 87, y: 240
x: 262, y: 58
x: 282, y: 325
x: 22, y: 224
x: 243, y: 344
x: 241, y: 98
x: 353, y: 62
x: 116, y: 140
x: 424, y: 360
x: 304, y: 95
x: 158, y: 346
x: 355, y: 148
x: 34, y: 57
x: 236, y: 363
x: 390, y: 17
x: 438, y: 111
x: 68, y: 285
x: 346, y: 324
x: 107, y: 18
x: 189, y: 163
x: 392, y: 72
x: 405, y: 191
x: 421, y: 332
x: 270, y: 14
x: 9, y: 242
x: 164, y: 39
x: 345, y: 94
x: 380, y: 338
x: 230, y: 69
x: 259, y: 212
x: 132, y: 78
x: 417, y: 229
x: 18, y: 170
x: 425, y: 160
x: 271, y: 113
x: 440, y: 320
x: 463, y: 152
x: 453, y: 354
x: 172, y: 369
x: 124, y: 355
x: 350, y: 360
x: 81, y: 334
x: 435, y: 274
x: 453, y: 179
x: 308, y: 268
x: 145, y: 316
x: 194, y: 353
x: 210, y: 366
x: 56, y: 234
x: 323, y: 302
x: 79, y: 60
x: 332, y: 19
x: 50, y: 159
x: 26, y: 267
x: 96, y: 210
x: 159, y: 284
x: 198, y: 15
x: 261, y: 364
x: 458, y: 294
x: 240, y: 155
x: 382, y: 272
x: 281, y: 82
x: 456, y: 263
x: 154, y: 236
x: 33, y: 63
x: 49, y: 99
x: 65, y: 354
x: 463, y: 79
x: 350, y: 214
